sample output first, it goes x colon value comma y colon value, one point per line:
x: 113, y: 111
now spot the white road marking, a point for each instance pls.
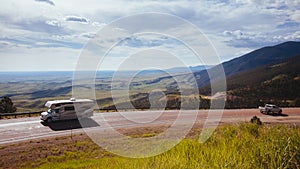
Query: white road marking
x: 19, y: 123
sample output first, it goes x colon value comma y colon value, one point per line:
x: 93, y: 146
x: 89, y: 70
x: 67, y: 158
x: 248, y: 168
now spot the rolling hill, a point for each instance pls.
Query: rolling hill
x: 278, y: 83
x: 267, y: 75
x: 258, y: 58
x: 255, y: 59
x: 270, y: 74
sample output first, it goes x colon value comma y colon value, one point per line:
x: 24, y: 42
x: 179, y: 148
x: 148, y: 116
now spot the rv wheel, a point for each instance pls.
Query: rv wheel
x: 49, y: 120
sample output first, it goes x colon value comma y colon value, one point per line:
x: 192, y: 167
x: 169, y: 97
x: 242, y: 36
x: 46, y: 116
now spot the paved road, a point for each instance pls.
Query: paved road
x: 23, y: 129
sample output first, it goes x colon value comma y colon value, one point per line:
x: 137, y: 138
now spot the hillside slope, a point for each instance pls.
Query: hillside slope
x: 258, y: 58
x: 253, y: 60
x: 277, y: 83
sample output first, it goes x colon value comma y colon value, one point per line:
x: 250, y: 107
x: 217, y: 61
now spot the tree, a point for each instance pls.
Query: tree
x: 297, y: 102
x: 7, y: 106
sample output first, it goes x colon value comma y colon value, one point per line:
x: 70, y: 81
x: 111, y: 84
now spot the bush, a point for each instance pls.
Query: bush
x: 256, y: 120
x: 7, y: 106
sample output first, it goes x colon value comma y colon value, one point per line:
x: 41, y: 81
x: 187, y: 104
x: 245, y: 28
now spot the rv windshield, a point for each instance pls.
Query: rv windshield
x: 53, y: 111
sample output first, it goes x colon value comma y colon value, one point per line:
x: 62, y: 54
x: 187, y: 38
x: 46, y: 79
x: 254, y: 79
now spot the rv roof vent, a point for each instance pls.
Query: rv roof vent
x: 72, y: 99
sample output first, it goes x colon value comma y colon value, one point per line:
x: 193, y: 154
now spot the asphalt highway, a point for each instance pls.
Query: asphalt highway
x: 24, y: 129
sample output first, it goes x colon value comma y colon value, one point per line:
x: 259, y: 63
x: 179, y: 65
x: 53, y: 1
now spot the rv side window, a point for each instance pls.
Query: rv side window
x: 69, y: 108
x: 57, y: 105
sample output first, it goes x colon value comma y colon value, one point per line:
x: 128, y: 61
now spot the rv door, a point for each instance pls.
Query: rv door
x: 68, y: 112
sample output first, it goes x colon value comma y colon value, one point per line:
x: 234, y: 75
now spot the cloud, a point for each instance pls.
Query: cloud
x: 237, y: 34
x: 88, y: 35
x: 232, y: 25
x: 296, y: 16
x: 242, y: 39
x: 40, y: 25
x: 290, y: 37
x: 46, y: 1
x: 31, y: 42
x: 275, y: 4
x: 53, y: 23
x: 6, y: 44
x: 146, y: 41
x: 76, y: 19
x: 288, y: 24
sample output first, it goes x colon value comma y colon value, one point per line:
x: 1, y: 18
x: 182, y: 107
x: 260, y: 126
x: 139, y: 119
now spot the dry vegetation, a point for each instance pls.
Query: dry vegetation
x: 243, y: 145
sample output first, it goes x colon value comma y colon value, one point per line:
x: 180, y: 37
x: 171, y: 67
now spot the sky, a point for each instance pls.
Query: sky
x: 51, y: 35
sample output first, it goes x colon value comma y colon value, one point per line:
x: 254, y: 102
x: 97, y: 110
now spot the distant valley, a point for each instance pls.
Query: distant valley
x: 270, y: 74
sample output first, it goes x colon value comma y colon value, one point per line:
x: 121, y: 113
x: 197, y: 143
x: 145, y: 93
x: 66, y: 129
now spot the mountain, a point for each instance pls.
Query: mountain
x: 260, y: 57
x: 255, y: 59
x: 277, y: 83
x: 286, y: 67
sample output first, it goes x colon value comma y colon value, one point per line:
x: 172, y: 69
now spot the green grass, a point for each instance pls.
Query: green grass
x: 235, y: 146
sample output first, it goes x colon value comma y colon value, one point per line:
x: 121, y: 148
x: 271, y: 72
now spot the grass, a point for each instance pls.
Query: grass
x: 244, y: 145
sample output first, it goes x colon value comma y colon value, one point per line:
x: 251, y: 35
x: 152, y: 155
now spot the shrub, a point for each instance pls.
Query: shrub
x: 256, y: 120
x: 7, y: 106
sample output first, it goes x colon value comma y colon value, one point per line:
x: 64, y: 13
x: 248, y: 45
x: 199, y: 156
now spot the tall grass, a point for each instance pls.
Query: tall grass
x: 235, y: 146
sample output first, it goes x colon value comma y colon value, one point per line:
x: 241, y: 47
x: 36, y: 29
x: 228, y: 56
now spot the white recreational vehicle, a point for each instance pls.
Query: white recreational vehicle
x: 68, y: 109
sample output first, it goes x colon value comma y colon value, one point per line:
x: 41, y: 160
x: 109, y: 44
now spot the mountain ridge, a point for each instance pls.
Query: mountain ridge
x: 260, y: 57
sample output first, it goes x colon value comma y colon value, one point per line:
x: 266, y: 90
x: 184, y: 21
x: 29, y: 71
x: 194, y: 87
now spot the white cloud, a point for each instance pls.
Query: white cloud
x: 290, y: 37
x: 233, y: 25
x: 296, y: 16
x: 53, y: 23
x: 77, y: 19
x: 46, y: 1
x: 240, y: 35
